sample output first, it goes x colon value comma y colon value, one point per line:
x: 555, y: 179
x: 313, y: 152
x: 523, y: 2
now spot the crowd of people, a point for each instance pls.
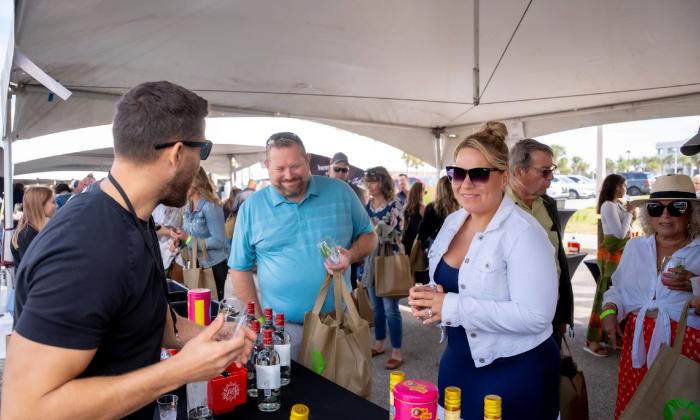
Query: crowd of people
x: 91, y: 313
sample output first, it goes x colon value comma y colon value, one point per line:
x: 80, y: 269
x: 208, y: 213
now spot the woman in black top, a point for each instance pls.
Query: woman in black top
x: 413, y: 214
x: 39, y: 205
x: 436, y: 212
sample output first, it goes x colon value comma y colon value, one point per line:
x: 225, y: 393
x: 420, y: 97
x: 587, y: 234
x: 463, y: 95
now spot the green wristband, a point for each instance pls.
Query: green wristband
x: 606, y: 313
x: 188, y: 240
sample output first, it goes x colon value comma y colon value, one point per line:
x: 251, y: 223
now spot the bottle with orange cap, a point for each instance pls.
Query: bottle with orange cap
x: 299, y: 412
x: 395, y: 377
x: 492, y: 407
x: 453, y: 403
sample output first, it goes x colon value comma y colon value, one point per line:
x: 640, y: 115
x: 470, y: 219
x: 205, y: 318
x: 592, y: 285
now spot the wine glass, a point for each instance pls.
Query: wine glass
x: 234, y: 315
x: 670, y: 262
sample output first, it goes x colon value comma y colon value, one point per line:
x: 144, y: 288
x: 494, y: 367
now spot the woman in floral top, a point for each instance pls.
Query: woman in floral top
x: 386, y: 213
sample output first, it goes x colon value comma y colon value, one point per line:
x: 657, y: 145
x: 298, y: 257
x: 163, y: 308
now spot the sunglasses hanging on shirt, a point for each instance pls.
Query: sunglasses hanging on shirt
x: 675, y: 208
x: 457, y: 175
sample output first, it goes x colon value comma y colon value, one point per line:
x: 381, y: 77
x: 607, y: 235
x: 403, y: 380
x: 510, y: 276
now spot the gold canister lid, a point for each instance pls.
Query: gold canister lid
x: 492, y: 407
x: 395, y: 377
x: 453, y: 398
x: 299, y: 412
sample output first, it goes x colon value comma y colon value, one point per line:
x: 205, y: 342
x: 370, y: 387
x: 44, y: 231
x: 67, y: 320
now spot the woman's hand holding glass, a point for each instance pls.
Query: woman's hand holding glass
x: 675, y: 276
x: 426, y: 302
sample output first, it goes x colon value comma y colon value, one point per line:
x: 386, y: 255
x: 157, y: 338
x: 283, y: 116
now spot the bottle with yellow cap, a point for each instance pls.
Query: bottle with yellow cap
x: 395, y: 377
x: 299, y: 412
x: 453, y: 403
x: 492, y: 407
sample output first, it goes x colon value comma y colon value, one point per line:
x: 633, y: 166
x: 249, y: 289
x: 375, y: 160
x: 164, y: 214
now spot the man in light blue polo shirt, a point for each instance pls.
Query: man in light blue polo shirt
x: 278, y: 230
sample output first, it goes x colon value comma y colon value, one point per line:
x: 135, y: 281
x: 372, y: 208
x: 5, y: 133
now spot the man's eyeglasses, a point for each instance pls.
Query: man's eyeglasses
x: 547, y: 172
x: 204, y: 146
x: 340, y: 170
x: 675, y: 208
x: 457, y: 175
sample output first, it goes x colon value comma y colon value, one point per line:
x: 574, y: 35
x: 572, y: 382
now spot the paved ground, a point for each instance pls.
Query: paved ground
x: 422, y: 354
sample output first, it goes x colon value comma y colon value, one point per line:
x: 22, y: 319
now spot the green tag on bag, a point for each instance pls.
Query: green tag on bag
x: 681, y: 409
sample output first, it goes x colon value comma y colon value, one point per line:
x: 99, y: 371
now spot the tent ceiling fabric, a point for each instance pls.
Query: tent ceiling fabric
x: 391, y: 70
x: 101, y: 160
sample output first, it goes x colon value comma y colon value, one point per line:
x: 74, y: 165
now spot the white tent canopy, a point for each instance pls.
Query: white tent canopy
x: 392, y: 70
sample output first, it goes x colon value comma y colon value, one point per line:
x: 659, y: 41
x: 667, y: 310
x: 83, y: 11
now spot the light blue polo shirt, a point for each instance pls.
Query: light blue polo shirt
x: 281, y: 237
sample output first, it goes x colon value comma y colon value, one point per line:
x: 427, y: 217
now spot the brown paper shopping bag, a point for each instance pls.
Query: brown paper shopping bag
x: 573, y: 396
x: 336, y: 346
x: 418, y: 257
x: 364, y: 306
x: 392, y: 273
x: 197, y: 277
x: 671, y: 387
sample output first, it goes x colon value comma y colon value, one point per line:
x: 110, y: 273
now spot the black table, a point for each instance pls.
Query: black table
x: 325, y: 400
x: 593, y: 268
x: 574, y: 260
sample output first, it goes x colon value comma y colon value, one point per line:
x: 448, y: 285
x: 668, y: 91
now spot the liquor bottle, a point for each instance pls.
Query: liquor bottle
x: 268, y: 320
x: 395, y: 377
x: 283, y: 344
x: 267, y: 374
x: 453, y: 402
x: 299, y: 412
x: 250, y: 313
x: 492, y: 407
x: 250, y: 365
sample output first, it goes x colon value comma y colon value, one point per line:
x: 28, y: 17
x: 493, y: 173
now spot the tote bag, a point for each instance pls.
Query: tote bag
x: 418, y: 258
x: 573, y: 396
x: 392, y: 273
x: 197, y: 277
x: 671, y: 388
x: 336, y: 346
x: 364, y: 307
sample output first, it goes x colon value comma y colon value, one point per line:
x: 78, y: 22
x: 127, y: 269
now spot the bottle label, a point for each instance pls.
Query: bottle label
x: 268, y: 377
x: 285, y: 352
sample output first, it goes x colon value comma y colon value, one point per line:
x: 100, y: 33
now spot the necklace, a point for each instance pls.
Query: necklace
x: 660, y: 256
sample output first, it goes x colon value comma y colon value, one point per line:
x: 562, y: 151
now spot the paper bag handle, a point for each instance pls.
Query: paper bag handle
x: 680, y: 333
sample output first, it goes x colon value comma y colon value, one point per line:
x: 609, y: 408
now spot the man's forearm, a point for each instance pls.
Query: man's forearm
x: 102, y: 397
x: 244, y: 288
x: 363, y: 246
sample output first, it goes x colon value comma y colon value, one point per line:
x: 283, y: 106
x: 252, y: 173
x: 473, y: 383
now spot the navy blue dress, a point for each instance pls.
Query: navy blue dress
x: 527, y: 383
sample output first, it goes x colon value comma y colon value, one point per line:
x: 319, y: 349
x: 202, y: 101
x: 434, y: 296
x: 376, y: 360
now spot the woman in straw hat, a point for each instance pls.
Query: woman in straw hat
x: 652, y: 283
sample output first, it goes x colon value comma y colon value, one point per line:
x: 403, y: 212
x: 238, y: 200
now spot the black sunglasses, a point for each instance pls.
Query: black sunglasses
x: 204, y: 146
x: 340, y: 170
x: 476, y: 175
x: 675, y: 208
x: 546, y: 172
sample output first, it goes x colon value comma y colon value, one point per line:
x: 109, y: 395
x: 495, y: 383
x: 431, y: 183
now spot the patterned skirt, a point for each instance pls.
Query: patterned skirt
x: 629, y: 378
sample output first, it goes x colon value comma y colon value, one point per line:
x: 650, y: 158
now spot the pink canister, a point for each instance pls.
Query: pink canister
x: 415, y: 399
x: 198, y: 303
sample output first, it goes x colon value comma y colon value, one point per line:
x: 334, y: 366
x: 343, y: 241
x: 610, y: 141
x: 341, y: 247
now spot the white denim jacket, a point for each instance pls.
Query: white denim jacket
x: 507, y: 284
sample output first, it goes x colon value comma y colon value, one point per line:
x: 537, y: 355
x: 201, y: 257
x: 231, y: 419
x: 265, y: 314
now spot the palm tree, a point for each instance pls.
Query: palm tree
x: 610, y: 166
x: 411, y: 161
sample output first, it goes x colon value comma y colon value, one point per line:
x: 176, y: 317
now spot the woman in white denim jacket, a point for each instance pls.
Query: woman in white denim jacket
x: 493, y: 271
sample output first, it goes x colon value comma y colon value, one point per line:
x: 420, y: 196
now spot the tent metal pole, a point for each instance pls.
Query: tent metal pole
x: 600, y: 161
x: 437, y: 133
x: 475, y: 70
x: 8, y: 172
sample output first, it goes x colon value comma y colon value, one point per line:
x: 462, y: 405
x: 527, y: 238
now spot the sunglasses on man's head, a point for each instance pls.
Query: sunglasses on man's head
x: 457, y: 175
x: 340, y: 170
x: 675, y: 208
x: 204, y: 146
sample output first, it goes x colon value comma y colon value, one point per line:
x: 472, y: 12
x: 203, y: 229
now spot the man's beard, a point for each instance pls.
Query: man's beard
x: 295, y: 192
x: 175, y: 192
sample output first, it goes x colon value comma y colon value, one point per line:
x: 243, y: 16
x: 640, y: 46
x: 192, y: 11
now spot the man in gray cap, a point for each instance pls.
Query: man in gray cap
x: 692, y: 146
x: 340, y: 169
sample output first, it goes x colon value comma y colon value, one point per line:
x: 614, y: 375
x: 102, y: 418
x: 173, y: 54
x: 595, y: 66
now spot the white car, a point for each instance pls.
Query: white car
x: 557, y: 189
x: 578, y: 186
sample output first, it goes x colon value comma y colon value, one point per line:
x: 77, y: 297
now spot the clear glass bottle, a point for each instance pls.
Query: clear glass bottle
x: 283, y: 346
x: 267, y: 375
x: 250, y: 313
x: 250, y: 366
x: 453, y: 403
x: 492, y: 407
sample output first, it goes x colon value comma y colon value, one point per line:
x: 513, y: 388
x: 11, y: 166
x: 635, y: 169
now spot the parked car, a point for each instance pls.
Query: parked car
x: 578, y: 186
x: 557, y: 189
x: 638, y: 183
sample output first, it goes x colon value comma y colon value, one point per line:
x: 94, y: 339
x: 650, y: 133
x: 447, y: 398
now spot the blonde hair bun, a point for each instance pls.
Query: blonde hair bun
x: 494, y: 129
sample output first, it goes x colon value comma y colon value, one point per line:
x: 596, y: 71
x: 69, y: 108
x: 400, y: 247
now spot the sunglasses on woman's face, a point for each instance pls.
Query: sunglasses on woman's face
x: 675, y: 208
x: 457, y: 175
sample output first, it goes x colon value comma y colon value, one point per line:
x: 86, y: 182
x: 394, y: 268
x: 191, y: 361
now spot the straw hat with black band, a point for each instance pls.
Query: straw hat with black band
x: 670, y: 187
x: 692, y: 146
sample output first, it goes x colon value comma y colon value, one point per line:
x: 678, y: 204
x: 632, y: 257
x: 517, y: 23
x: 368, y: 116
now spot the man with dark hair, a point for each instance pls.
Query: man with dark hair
x: 278, y: 230
x: 404, y: 188
x: 532, y: 171
x: 91, y: 306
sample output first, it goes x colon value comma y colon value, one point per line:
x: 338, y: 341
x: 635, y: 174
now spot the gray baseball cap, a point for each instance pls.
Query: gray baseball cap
x: 339, y: 157
x: 692, y: 146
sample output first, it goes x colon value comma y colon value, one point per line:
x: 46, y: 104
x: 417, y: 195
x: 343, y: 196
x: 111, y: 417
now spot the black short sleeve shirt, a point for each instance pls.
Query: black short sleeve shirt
x: 89, y: 281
